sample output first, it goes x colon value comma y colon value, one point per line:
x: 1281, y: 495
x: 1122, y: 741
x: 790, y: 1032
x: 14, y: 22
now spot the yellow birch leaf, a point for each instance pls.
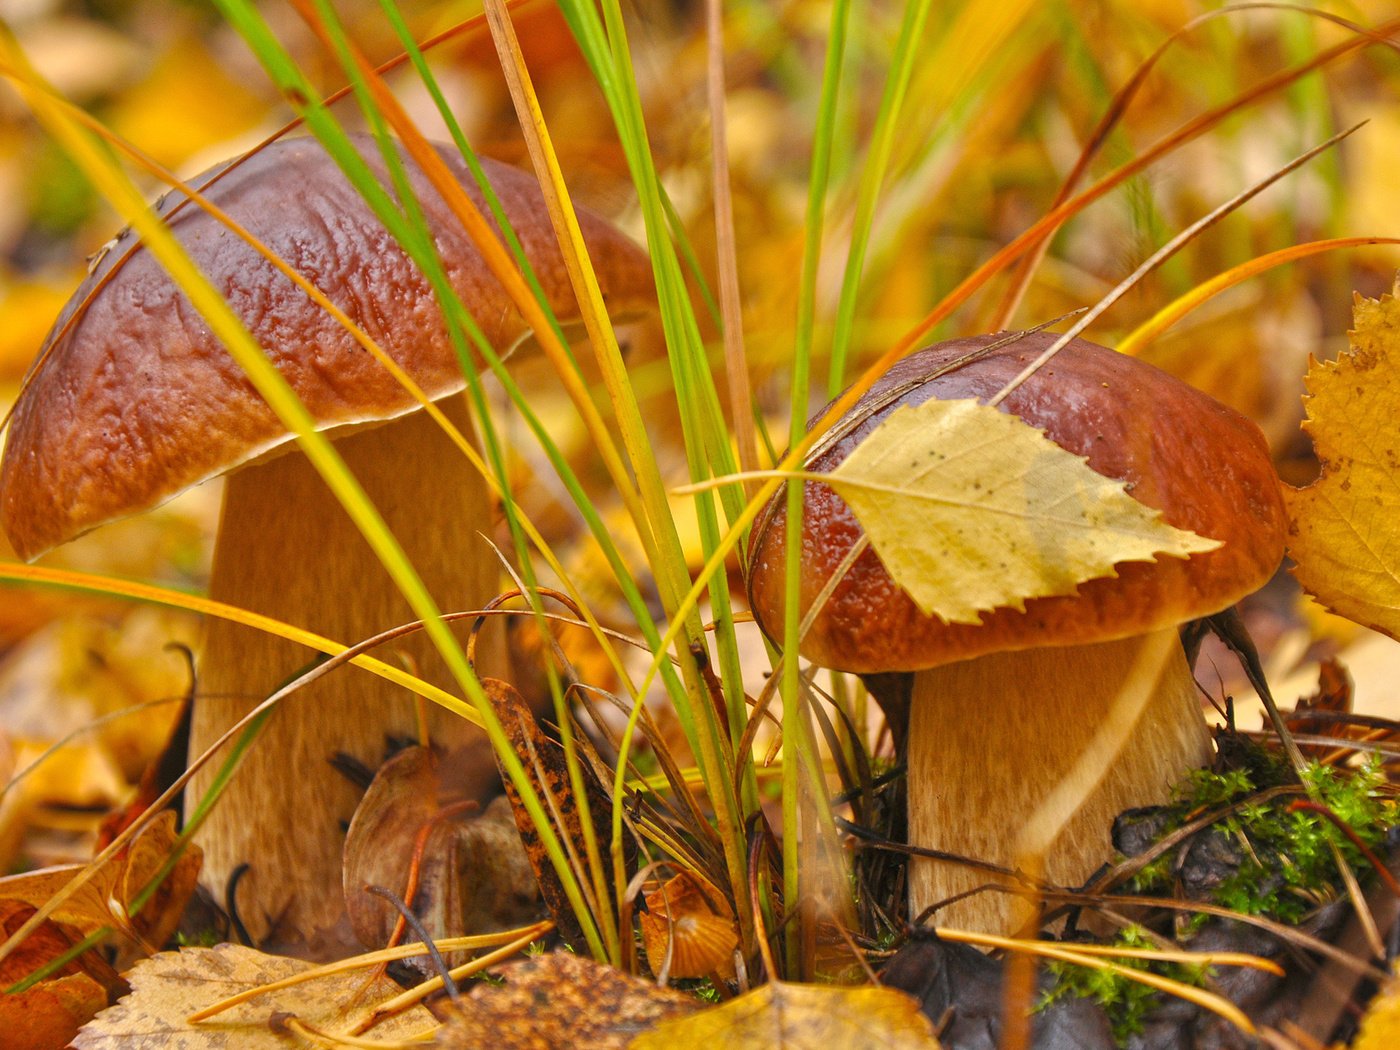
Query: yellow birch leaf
x: 971, y: 509
x: 1342, y: 528
x: 800, y: 1017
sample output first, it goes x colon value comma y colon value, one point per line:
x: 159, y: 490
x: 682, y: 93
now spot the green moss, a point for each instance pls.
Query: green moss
x: 1126, y: 1002
x: 1287, y: 865
x: 1286, y: 868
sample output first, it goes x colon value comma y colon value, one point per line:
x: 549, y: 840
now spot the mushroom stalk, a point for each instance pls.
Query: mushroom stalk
x: 287, y: 549
x: 991, y: 737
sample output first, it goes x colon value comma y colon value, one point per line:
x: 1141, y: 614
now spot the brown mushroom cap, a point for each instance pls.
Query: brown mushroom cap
x: 1204, y: 466
x: 134, y: 399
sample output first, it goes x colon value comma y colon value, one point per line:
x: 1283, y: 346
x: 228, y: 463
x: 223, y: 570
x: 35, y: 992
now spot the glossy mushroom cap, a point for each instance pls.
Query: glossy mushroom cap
x: 1204, y: 466
x: 133, y: 399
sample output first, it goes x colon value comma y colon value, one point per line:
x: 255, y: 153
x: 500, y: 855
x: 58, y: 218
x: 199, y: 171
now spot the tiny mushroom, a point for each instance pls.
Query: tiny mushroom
x: 1000, y: 711
x: 132, y: 400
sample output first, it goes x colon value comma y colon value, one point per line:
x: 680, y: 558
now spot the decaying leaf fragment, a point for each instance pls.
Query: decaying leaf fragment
x: 462, y: 871
x: 971, y: 509
x: 48, y: 1014
x: 168, y: 987
x: 548, y: 770
x: 782, y: 1016
x: 1342, y: 527
x: 561, y: 999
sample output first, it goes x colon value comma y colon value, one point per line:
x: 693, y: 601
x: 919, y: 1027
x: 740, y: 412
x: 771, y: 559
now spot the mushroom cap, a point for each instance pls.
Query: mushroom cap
x: 133, y: 399
x: 1203, y: 465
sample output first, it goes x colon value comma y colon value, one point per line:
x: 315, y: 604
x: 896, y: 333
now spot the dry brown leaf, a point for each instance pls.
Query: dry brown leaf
x: 473, y: 874
x: 169, y: 987
x: 800, y: 1017
x: 1342, y: 527
x: 102, y: 901
x: 560, y: 1000
x: 1334, y: 696
x: 47, y: 1015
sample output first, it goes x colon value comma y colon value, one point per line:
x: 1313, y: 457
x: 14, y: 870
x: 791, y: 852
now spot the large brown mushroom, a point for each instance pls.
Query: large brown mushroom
x: 1001, y: 711
x: 133, y: 400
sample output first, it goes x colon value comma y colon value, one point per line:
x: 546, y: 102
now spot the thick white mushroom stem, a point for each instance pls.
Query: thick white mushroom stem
x: 1001, y: 744
x: 287, y: 549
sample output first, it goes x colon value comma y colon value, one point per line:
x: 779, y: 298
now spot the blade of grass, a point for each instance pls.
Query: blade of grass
x: 606, y: 350
x: 726, y: 253
x: 86, y: 583
x: 670, y: 570
x: 1136, y: 340
x: 873, y: 171
x: 1156, y: 258
x: 381, y: 103
x: 597, y: 528
x: 704, y: 431
x: 794, y: 717
x: 368, y: 959
x: 1206, y: 1000
x: 604, y: 538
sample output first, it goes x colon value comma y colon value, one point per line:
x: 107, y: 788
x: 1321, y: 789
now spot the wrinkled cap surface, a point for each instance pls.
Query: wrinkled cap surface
x: 132, y: 398
x: 1204, y: 466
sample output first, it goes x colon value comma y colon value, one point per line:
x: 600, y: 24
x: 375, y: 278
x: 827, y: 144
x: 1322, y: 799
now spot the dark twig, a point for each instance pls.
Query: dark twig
x: 438, y: 961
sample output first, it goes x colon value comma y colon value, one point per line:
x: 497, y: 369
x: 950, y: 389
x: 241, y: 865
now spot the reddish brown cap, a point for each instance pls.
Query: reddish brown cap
x: 1204, y: 466
x: 133, y: 399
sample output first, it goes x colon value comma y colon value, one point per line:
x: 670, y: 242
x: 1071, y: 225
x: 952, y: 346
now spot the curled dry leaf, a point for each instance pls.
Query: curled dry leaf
x: 1014, y: 515
x: 473, y: 874
x: 103, y: 901
x: 691, y: 919
x: 559, y: 1000
x: 1324, y: 713
x: 1342, y: 526
x: 168, y: 987
x: 800, y: 1017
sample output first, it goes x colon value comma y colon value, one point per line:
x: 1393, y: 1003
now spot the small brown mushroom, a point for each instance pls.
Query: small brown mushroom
x: 133, y: 400
x: 1000, y: 711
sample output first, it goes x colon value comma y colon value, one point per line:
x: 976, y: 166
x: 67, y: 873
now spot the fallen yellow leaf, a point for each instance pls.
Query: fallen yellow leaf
x: 1342, y: 528
x: 972, y: 509
x: 168, y: 987
x: 1380, y: 1028
x: 800, y: 1017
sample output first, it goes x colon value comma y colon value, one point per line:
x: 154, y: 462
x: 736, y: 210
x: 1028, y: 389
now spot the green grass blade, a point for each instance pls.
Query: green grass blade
x: 872, y: 178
